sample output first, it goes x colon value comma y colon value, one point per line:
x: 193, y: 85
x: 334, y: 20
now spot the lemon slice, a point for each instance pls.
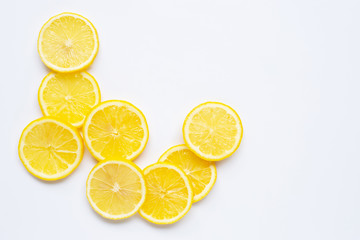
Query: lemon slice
x: 169, y: 194
x: 50, y: 149
x: 201, y: 173
x: 68, y: 42
x: 116, y: 189
x: 213, y: 131
x: 115, y: 130
x: 68, y: 96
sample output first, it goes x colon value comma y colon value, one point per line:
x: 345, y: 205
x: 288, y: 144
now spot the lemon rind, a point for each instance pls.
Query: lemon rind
x: 195, y: 149
x: 84, y: 65
x: 207, y: 189
x: 187, y: 184
x: 42, y: 103
x: 118, y: 103
x: 131, y: 165
x: 63, y: 174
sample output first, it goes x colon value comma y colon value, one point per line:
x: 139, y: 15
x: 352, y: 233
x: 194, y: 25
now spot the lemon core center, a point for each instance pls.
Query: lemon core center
x: 162, y: 193
x: 116, y: 132
x: 68, y: 44
x: 116, y: 187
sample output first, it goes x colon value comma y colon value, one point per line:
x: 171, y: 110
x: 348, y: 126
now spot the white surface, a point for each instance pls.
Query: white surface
x: 290, y: 69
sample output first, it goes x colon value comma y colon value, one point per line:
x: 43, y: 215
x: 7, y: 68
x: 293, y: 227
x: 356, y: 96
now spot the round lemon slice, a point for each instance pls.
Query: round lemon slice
x: 68, y: 42
x: 50, y: 149
x: 115, y: 130
x: 213, y: 131
x: 116, y: 189
x: 201, y: 173
x: 68, y: 96
x: 169, y: 194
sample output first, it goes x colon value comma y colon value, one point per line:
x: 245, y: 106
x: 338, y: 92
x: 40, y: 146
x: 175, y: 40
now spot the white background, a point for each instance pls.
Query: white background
x: 291, y: 70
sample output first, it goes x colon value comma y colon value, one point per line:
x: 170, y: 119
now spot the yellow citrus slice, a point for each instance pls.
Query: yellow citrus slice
x: 68, y: 42
x: 201, y: 173
x: 115, y: 130
x: 50, y: 149
x: 213, y: 131
x: 169, y: 194
x: 68, y: 96
x: 116, y: 189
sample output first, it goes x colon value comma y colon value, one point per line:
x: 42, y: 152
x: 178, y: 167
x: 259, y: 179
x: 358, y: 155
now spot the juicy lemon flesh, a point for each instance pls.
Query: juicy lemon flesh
x: 116, y: 189
x: 213, y: 131
x: 49, y: 148
x: 201, y: 173
x: 69, y: 96
x: 167, y: 195
x: 116, y: 132
x: 68, y: 42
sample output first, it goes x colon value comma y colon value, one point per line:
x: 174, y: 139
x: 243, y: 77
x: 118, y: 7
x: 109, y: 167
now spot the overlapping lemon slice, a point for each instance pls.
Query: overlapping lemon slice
x: 169, y: 194
x: 115, y: 130
x: 116, y: 189
x: 50, y: 149
x: 201, y: 173
x: 68, y: 96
